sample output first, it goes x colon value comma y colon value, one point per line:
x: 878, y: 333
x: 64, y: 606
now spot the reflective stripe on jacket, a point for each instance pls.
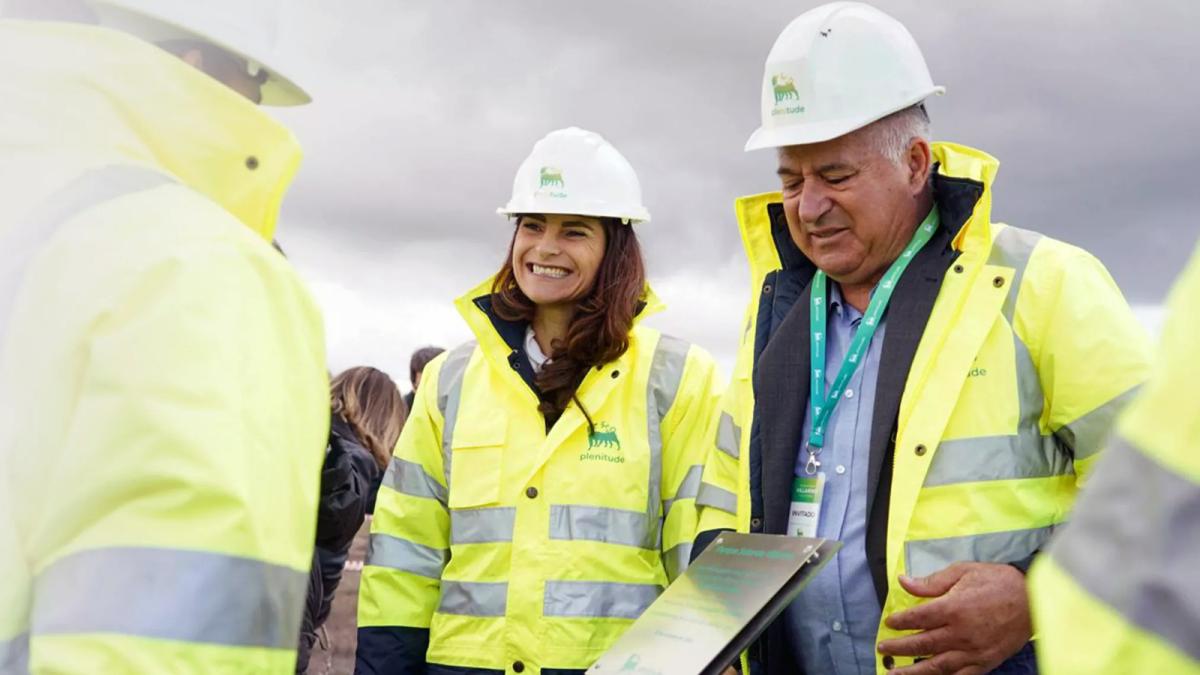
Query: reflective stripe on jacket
x: 1027, y: 354
x: 1117, y: 592
x: 163, y: 397
x: 514, y: 544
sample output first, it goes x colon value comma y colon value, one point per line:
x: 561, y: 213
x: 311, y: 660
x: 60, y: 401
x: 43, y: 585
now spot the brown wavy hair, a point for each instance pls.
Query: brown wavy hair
x: 371, y: 404
x: 599, y: 331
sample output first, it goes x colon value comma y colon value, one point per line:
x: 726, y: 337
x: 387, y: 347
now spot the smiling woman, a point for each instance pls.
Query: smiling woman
x: 543, y: 491
x: 578, y: 281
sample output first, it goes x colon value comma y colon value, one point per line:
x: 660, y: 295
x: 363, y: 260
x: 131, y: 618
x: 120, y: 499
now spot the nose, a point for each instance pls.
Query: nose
x: 546, y: 247
x: 813, y: 202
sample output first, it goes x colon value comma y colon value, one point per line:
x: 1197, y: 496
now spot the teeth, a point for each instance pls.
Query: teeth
x: 554, y: 272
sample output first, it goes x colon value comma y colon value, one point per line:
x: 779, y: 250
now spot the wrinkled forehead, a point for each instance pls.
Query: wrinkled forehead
x: 854, y: 149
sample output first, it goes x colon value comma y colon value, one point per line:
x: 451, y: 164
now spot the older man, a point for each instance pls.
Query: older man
x: 928, y: 385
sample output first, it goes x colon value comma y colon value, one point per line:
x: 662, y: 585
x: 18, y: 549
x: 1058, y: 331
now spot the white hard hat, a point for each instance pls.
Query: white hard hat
x: 247, y: 28
x: 835, y: 69
x: 573, y: 171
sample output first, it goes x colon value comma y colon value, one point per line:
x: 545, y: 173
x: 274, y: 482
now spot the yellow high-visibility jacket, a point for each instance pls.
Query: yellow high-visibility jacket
x: 1117, y: 592
x: 163, y: 399
x: 1027, y: 355
x: 522, y: 548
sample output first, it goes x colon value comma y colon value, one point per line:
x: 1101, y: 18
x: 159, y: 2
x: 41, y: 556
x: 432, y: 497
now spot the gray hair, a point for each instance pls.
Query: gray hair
x: 894, y: 134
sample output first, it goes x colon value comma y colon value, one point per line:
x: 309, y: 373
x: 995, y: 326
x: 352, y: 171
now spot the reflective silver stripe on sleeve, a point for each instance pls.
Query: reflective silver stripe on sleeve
x: 677, y: 559
x: 711, y: 495
x: 666, y: 372
x: 599, y: 600
x: 169, y: 594
x: 14, y: 655
x: 473, y: 598
x: 729, y: 436
x: 407, y: 556
x: 482, y: 526
x: 595, y: 523
x: 411, y: 479
x: 927, y: 556
x: 688, y: 489
x: 1134, y: 544
x: 1087, y: 435
x: 450, y: 382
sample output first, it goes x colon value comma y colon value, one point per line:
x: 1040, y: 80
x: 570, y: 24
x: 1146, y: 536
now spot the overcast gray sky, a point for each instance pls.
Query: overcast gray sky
x: 425, y: 109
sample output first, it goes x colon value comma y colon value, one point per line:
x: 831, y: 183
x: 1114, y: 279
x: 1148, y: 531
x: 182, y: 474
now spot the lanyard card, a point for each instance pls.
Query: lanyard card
x: 806, y: 505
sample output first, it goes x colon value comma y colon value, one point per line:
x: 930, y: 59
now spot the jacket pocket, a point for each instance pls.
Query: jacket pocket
x: 477, y: 462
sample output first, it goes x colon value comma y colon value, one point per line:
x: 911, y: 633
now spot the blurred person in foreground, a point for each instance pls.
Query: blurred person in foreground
x: 163, y: 396
x: 368, y: 414
x: 416, y: 366
x: 1117, y: 592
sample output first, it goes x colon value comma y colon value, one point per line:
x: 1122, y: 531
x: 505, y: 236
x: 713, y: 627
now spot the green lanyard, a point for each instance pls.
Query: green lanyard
x: 820, y: 405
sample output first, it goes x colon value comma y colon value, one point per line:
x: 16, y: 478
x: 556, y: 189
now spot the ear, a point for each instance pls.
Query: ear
x: 194, y: 58
x: 919, y: 162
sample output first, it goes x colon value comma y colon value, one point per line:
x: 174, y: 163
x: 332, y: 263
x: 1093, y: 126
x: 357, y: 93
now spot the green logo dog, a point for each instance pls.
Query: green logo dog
x: 551, y: 177
x: 605, y: 436
x: 785, y: 88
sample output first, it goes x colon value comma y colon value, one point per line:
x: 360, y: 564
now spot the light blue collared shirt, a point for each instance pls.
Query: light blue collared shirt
x: 833, y: 621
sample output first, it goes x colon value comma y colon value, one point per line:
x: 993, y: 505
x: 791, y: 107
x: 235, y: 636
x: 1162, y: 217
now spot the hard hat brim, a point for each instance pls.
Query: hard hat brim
x: 640, y: 216
x: 279, y: 89
x: 827, y: 130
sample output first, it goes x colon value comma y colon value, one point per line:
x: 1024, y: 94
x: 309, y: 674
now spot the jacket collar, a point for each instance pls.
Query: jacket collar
x: 962, y: 181
x: 83, y: 91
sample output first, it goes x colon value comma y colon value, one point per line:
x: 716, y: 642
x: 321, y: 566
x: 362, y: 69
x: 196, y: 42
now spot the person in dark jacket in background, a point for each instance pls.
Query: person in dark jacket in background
x: 416, y: 365
x: 367, y: 414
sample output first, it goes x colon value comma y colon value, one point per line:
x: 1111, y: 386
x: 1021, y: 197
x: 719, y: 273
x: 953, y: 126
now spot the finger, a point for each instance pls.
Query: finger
x: 927, y: 616
x: 925, y: 643
x: 935, y: 584
x: 947, y: 663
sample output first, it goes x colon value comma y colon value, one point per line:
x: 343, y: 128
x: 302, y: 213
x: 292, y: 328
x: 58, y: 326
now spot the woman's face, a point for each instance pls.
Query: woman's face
x: 555, y: 257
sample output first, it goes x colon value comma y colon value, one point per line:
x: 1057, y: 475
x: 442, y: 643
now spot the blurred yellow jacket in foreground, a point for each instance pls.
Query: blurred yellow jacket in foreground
x: 163, y: 397
x: 1118, y: 592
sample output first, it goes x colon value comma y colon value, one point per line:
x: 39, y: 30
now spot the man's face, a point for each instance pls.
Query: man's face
x: 849, y: 208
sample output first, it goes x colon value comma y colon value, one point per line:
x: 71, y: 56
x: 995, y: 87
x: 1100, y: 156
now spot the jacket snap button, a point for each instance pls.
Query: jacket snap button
x: 756, y: 524
x: 998, y: 282
x: 959, y: 269
x: 888, y: 661
x: 921, y: 450
x: 616, y: 374
x: 252, y: 162
x: 532, y: 494
x: 514, y: 364
x: 766, y: 289
x: 518, y: 667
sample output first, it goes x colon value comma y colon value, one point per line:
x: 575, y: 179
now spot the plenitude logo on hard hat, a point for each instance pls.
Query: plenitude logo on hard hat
x: 789, y: 91
x: 602, y: 442
x: 551, y: 183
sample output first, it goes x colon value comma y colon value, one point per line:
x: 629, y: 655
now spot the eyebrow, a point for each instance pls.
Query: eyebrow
x: 534, y: 216
x: 824, y: 168
x: 578, y: 223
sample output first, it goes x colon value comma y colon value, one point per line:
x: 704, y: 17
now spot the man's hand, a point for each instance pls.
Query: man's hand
x: 980, y: 618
